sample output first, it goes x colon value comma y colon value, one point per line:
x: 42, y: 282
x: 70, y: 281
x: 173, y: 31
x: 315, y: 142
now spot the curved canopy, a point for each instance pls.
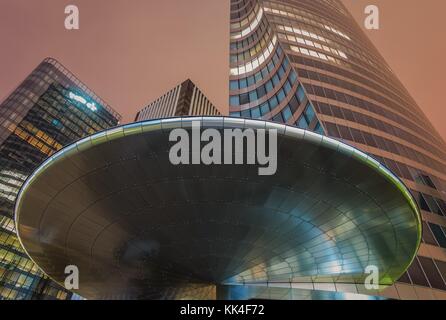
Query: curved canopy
x: 137, y: 226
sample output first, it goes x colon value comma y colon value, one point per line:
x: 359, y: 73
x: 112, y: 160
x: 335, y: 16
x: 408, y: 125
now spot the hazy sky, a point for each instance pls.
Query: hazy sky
x: 131, y: 52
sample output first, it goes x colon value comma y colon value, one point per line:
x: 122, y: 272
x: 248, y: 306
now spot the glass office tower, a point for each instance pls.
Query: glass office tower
x: 307, y: 63
x: 48, y: 110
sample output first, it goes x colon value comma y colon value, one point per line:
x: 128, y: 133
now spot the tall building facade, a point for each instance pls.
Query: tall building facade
x: 307, y: 63
x: 48, y: 110
x: 186, y: 99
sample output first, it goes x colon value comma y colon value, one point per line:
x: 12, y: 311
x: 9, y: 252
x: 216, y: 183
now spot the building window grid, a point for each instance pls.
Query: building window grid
x: 319, y: 91
x: 350, y: 86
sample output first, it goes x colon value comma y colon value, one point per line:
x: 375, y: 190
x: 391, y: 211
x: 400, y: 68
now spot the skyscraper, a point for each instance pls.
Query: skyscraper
x: 186, y: 99
x: 307, y: 63
x: 48, y: 110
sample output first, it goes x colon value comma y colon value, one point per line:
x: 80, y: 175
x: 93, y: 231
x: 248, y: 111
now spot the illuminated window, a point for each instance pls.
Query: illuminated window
x: 250, y: 28
x: 255, y: 63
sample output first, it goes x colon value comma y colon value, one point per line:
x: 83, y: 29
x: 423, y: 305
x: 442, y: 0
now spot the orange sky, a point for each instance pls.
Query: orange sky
x: 130, y: 52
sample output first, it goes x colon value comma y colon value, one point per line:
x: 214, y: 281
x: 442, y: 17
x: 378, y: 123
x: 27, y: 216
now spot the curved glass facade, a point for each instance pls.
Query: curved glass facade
x: 325, y: 75
x: 263, y: 82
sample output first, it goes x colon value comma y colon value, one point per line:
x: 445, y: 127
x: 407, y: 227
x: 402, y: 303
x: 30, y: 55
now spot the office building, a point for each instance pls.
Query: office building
x: 186, y: 99
x: 50, y: 109
x: 307, y: 63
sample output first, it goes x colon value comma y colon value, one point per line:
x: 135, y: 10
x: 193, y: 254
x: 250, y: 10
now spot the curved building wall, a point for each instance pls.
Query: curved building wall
x: 307, y: 63
x: 263, y: 83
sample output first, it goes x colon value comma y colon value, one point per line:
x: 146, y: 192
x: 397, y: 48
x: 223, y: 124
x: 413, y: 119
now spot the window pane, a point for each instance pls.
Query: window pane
x: 309, y: 113
x: 357, y: 135
x: 258, y: 77
x: 269, y: 86
x: 318, y: 129
x: 422, y: 203
x: 442, y: 267
x: 432, y: 204
x: 285, y: 63
x: 246, y: 114
x: 281, y: 95
x: 255, y: 113
x: 432, y: 273
x: 278, y: 118
x: 234, y: 101
x: 332, y: 130
x: 428, y: 181
x: 442, y: 205
x: 302, y: 123
x: 439, y: 235
x: 286, y: 113
x: 264, y: 108
x: 261, y: 91
x: 243, y: 83
x: 287, y: 87
x: 417, y: 275
x: 244, y: 98
x: 273, y: 102
x: 270, y: 66
x: 294, y: 104
x: 300, y: 94
x: 253, y: 96
x: 292, y: 77
x: 281, y: 72
x: 251, y: 81
x: 427, y: 235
